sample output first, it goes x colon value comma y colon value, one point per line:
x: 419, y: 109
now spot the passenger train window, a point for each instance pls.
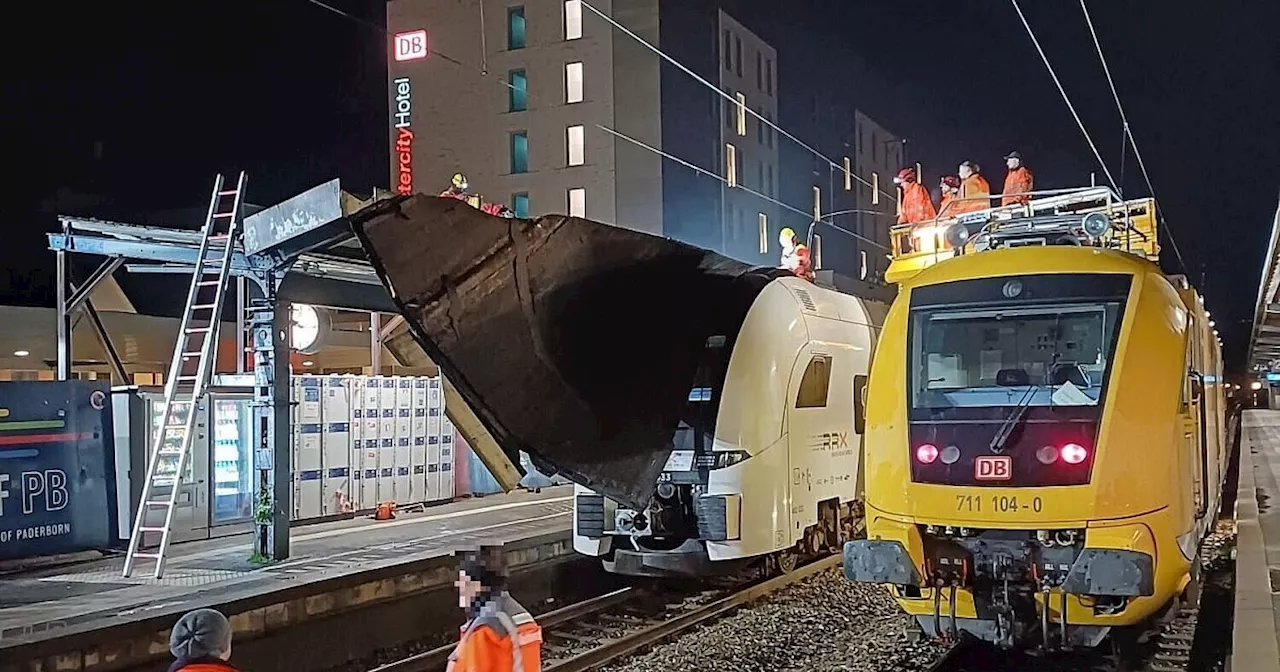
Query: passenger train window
x: 814, y: 383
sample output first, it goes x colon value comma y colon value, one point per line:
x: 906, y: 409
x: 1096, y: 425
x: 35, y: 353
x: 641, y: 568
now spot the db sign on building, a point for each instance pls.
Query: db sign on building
x: 410, y: 46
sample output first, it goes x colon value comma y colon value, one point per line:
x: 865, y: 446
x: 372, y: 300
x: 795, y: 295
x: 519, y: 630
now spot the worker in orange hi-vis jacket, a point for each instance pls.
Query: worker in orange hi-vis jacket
x: 975, y: 193
x: 1018, y: 183
x: 499, y: 635
x: 917, y: 207
x: 950, y: 186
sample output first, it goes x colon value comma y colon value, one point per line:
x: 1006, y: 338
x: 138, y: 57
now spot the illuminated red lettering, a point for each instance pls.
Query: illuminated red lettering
x: 404, y: 150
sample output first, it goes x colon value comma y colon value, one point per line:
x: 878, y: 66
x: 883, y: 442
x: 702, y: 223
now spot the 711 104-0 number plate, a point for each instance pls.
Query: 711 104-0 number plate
x: 998, y: 504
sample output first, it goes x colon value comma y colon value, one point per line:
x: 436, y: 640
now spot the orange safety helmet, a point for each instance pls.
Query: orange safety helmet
x: 951, y: 181
x: 905, y: 175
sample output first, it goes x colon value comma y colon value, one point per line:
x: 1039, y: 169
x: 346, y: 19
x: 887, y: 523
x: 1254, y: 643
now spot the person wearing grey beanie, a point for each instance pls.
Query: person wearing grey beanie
x: 201, y: 642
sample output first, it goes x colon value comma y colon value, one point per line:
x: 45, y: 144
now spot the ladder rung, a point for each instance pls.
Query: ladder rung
x: 202, y: 306
x: 140, y: 554
x: 157, y: 502
x: 196, y: 330
x: 192, y: 354
x: 223, y: 214
x: 228, y: 192
x: 207, y: 283
x: 187, y: 377
x: 151, y: 529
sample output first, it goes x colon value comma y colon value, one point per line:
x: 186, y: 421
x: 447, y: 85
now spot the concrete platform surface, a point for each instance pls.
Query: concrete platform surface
x: 51, y: 603
x: 1256, y: 638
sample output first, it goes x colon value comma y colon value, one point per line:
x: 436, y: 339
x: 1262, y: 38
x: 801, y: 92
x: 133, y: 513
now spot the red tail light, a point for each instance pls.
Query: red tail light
x: 926, y: 453
x: 1074, y: 453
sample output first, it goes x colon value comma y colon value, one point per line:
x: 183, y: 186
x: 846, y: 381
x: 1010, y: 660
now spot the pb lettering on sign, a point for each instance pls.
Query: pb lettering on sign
x: 410, y: 46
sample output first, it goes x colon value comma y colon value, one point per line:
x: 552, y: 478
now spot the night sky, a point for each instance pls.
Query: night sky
x: 140, y: 106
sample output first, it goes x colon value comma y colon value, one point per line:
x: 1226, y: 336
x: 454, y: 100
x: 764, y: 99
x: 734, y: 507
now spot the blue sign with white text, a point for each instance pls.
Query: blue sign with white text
x: 57, y: 475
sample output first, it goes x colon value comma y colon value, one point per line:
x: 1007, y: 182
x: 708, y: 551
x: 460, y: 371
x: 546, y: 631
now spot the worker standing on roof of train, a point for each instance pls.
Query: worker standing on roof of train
x: 950, y: 186
x: 917, y: 207
x: 1018, y: 183
x: 975, y: 193
x: 499, y: 635
x: 795, y: 254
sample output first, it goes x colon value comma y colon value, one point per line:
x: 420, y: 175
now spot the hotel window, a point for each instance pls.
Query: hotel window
x: 760, y: 175
x: 572, y: 19
x: 728, y: 51
x: 768, y: 181
x: 576, y: 142
x: 764, y: 233
x: 760, y: 130
x: 742, y: 114
x: 515, y: 28
x: 848, y: 175
x: 731, y: 165
x: 862, y: 264
x: 520, y: 204
x: 817, y: 251
x: 573, y: 82
x: 817, y: 204
x: 578, y: 202
x: 737, y: 54
x: 768, y: 77
x: 517, y: 91
x: 759, y: 71
x: 520, y: 152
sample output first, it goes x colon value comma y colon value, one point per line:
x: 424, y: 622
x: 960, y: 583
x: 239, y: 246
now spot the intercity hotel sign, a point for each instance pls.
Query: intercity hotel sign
x: 408, y: 46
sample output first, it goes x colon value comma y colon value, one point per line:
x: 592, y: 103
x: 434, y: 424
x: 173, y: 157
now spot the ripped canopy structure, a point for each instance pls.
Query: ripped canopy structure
x: 572, y: 340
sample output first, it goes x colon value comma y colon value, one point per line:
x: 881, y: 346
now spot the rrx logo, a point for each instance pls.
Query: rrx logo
x: 833, y: 440
x: 33, y: 486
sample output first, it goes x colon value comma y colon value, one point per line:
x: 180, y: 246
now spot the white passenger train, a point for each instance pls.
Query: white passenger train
x: 768, y: 452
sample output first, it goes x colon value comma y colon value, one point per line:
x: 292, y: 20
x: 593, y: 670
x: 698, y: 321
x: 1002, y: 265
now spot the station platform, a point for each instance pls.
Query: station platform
x: 1256, y: 637
x: 62, y: 615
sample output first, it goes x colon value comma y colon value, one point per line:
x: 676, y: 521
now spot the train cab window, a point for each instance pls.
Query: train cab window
x: 815, y: 383
x: 1050, y: 355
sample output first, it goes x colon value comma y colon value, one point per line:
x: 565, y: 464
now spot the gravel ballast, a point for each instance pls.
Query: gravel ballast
x: 823, y: 623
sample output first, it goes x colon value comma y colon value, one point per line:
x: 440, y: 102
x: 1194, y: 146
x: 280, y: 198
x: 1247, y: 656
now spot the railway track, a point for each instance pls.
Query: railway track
x: 589, y: 634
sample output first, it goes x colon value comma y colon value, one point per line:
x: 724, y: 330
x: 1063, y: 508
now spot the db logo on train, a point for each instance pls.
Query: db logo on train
x: 993, y: 468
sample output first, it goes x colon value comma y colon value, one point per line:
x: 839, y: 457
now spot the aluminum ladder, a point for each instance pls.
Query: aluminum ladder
x: 189, y: 374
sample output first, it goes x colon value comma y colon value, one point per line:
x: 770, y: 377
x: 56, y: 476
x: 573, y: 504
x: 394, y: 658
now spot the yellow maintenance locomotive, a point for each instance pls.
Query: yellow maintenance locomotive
x: 1045, y: 438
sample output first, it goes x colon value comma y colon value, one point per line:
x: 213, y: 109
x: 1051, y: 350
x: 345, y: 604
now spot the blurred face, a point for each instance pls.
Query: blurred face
x: 785, y: 241
x: 964, y: 172
x: 468, y: 589
x: 1012, y: 163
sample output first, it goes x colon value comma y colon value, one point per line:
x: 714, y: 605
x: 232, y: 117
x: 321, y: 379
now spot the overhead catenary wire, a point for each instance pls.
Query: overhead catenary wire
x: 724, y: 94
x: 1067, y: 99
x: 704, y: 171
x: 1128, y: 132
x: 619, y: 134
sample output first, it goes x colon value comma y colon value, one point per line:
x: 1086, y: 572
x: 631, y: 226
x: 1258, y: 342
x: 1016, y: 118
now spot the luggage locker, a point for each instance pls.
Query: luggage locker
x: 369, y: 450
x: 418, y: 451
x: 446, y: 459
x: 435, y: 410
x: 335, y: 443
x: 404, y: 439
x: 308, y: 469
x: 387, y: 439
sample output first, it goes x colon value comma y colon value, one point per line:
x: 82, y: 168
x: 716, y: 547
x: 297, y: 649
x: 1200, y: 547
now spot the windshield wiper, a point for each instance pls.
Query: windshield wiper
x: 1002, y: 434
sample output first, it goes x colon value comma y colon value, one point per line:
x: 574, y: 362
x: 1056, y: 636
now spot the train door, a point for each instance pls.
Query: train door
x: 809, y: 399
x: 1194, y: 420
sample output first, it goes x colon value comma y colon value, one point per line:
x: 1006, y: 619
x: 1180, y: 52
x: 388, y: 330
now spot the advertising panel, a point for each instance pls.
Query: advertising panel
x: 57, y: 473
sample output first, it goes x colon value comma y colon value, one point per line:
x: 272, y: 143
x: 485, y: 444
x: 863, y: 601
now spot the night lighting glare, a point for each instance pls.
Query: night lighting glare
x: 21, y: 353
